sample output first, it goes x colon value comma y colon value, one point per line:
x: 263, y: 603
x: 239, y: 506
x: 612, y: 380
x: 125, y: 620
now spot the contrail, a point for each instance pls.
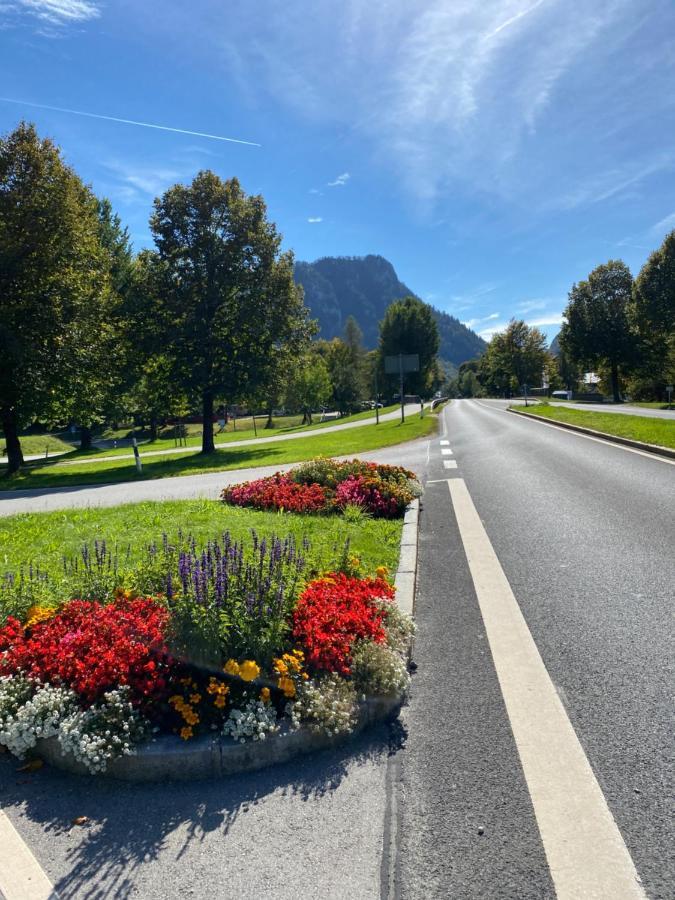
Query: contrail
x: 78, y: 112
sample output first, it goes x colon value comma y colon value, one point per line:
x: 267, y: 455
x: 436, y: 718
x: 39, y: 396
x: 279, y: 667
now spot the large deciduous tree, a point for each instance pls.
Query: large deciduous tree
x: 409, y: 327
x: 229, y: 288
x: 514, y: 357
x: 54, y: 284
x: 597, y: 330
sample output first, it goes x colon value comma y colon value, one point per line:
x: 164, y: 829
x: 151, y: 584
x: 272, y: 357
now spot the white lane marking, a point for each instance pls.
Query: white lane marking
x: 588, y: 437
x: 21, y: 876
x: 446, y: 451
x: 450, y: 463
x: 444, y: 443
x: 584, y: 847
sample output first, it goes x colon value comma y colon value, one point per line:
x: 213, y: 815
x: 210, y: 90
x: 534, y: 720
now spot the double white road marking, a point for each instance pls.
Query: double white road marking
x: 584, y: 848
x: 21, y: 876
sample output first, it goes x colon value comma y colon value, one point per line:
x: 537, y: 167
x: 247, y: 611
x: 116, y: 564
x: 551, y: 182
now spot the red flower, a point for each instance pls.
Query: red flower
x: 277, y: 492
x: 336, y: 611
x: 93, y: 648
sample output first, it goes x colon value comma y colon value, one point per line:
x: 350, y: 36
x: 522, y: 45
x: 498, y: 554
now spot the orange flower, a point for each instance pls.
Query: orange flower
x: 265, y: 695
x: 287, y: 685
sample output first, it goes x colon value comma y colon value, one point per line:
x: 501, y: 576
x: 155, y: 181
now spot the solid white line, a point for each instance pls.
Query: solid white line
x: 446, y: 451
x: 450, y: 463
x: 584, y: 847
x: 21, y: 876
x: 588, y: 437
x: 444, y: 443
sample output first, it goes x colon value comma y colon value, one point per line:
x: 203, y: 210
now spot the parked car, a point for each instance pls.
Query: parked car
x: 562, y: 395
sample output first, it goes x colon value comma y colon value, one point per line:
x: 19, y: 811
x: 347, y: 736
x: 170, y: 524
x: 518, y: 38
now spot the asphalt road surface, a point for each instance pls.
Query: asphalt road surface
x: 622, y: 409
x: 577, y: 536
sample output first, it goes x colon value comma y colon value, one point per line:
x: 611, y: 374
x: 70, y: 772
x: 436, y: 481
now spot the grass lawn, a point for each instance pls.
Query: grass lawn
x: 651, y: 404
x: 44, y: 538
x: 637, y: 428
x: 32, y: 444
x: 340, y: 443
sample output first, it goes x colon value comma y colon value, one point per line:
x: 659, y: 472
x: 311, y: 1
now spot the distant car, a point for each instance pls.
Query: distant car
x: 562, y: 395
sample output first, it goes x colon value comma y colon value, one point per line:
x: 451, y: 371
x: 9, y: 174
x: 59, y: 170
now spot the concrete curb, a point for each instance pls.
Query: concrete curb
x: 612, y: 438
x: 169, y: 759
x: 407, y: 564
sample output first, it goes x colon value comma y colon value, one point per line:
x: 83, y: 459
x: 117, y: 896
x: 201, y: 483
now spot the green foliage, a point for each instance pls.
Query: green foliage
x: 409, y: 327
x: 229, y: 291
x: 345, y: 379
x: 514, y: 357
x: 597, y: 331
x: 309, y: 385
x: 55, y: 288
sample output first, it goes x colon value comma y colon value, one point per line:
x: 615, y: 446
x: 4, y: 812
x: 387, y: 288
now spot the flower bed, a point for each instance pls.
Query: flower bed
x: 326, y: 486
x: 240, y: 641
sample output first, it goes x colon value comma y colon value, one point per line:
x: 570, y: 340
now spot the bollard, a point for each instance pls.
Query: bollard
x: 137, y: 456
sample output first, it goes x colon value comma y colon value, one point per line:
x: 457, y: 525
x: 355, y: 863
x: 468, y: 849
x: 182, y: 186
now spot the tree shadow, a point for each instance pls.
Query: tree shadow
x: 129, y: 823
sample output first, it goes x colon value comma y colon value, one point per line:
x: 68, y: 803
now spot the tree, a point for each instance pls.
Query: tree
x: 409, y: 327
x: 597, y: 330
x: 54, y: 284
x: 344, y: 378
x: 514, y: 357
x: 310, y: 386
x: 652, y: 315
x: 229, y: 289
x: 95, y: 396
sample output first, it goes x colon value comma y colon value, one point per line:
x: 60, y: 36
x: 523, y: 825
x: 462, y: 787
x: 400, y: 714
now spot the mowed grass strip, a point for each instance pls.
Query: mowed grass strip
x: 637, y: 428
x: 45, y: 538
x: 340, y: 443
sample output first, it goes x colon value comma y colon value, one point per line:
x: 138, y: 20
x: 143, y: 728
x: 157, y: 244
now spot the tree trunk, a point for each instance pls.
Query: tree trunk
x: 208, y: 445
x: 615, y: 382
x: 85, y: 437
x: 153, y: 428
x: 269, y: 423
x: 12, y: 442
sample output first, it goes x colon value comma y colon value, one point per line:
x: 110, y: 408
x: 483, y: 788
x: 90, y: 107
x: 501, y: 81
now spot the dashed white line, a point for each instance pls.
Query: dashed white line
x: 586, y: 853
x: 444, y: 443
x: 446, y: 451
x: 21, y: 876
x: 450, y: 463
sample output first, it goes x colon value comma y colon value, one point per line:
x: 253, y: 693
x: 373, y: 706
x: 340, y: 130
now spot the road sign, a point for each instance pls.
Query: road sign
x: 402, y: 362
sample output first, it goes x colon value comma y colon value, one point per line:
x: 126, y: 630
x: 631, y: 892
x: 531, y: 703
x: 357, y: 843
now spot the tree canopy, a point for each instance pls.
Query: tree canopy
x: 54, y: 285
x: 229, y: 290
x: 409, y: 327
x: 597, y: 331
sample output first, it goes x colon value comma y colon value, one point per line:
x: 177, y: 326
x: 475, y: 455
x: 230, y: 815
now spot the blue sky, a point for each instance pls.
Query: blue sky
x: 494, y: 151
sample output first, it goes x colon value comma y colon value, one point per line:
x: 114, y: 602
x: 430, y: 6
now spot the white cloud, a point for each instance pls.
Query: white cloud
x: 315, y: 191
x: 340, y: 180
x: 664, y: 225
x: 530, y: 305
x: 59, y: 12
x: 313, y: 219
x: 471, y: 323
x: 552, y: 319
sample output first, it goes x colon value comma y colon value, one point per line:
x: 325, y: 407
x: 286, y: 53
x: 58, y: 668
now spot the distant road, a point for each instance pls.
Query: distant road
x: 624, y: 409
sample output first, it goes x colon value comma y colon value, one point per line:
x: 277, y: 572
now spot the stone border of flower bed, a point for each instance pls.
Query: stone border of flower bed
x: 167, y: 759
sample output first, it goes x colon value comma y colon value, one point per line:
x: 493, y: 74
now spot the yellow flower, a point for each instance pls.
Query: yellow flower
x: 381, y: 571
x: 299, y: 654
x: 231, y: 667
x: 38, y: 614
x: 249, y: 670
x: 280, y: 667
x: 176, y: 700
x: 354, y: 562
x: 195, y: 698
x: 265, y: 695
x: 287, y: 685
x: 186, y: 733
x: 219, y: 701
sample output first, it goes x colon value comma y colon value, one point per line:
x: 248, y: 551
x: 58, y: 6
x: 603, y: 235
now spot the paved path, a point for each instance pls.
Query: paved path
x: 574, y: 536
x: 623, y: 409
x: 409, y: 409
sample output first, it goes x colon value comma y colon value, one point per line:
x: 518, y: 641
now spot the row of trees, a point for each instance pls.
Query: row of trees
x: 212, y: 314
x: 619, y: 327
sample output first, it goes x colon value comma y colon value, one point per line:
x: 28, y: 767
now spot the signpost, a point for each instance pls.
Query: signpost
x: 402, y: 362
x: 139, y: 467
x: 669, y: 389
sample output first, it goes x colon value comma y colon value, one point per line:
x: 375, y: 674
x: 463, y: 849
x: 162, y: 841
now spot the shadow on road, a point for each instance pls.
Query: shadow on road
x: 129, y: 824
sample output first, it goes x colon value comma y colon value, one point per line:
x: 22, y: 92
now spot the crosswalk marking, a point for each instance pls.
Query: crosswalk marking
x: 450, y: 463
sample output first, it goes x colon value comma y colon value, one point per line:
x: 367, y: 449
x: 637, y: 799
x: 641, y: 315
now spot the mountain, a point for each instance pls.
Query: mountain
x: 554, y: 346
x: 337, y: 287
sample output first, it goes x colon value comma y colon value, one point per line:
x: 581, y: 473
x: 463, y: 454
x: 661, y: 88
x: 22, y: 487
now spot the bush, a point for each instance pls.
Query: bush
x: 379, y: 670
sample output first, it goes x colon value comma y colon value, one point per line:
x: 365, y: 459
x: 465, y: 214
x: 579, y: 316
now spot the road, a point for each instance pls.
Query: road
x: 443, y: 804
